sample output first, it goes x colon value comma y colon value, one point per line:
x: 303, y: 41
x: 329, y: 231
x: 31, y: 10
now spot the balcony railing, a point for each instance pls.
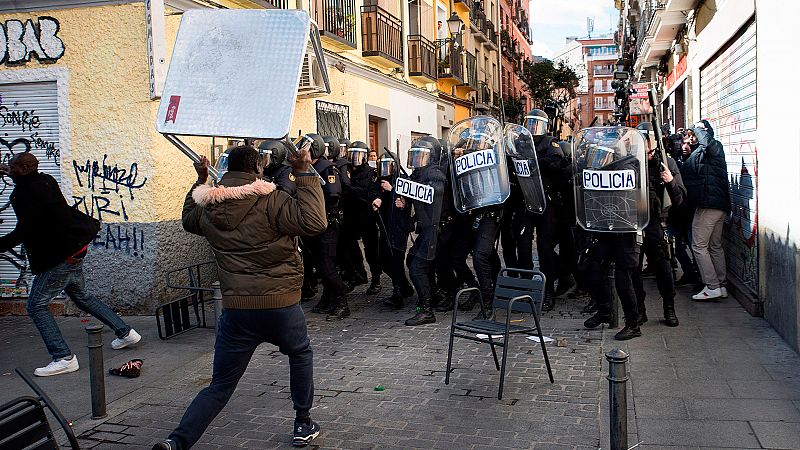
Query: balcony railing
x: 483, y: 98
x: 381, y: 34
x: 336, y: 19
x: 603, y: 72
x: 451, y: 60
x: 490, y: 31
x: 279, y: 4
x: 649, y: 8
x: 471, y: 71
x: 421, y: 57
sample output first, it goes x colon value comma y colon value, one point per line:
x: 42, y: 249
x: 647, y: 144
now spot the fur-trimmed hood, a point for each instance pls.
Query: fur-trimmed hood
x: 228, y: 203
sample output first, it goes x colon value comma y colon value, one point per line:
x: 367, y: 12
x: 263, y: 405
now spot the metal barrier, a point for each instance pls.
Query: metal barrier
x: 189, y: 311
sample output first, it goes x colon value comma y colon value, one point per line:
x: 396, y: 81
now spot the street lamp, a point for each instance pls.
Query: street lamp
x: 454, y: 24
x: 620, y: 65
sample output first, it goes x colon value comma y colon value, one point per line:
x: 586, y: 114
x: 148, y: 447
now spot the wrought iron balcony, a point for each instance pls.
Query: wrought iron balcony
x: 381, y: 34
x: 471, y: 71
x: 483, y: 98
x: 451, y: 60
x: 491, y: 33
x: 336, y: 20
x: 421, y: 57
x: 279, y: 4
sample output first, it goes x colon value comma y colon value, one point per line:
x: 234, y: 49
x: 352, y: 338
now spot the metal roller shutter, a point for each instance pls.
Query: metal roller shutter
x: 28, y: 122
x: 728, y: 101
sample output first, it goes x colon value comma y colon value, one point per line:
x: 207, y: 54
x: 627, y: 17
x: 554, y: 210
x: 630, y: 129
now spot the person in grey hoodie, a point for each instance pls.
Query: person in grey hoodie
x: 705, y: 175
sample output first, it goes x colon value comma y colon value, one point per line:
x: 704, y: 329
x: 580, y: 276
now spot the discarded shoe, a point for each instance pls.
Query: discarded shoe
x: 131, y: 369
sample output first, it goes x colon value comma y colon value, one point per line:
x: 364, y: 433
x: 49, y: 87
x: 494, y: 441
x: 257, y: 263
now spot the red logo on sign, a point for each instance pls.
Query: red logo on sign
x: 172, y: 109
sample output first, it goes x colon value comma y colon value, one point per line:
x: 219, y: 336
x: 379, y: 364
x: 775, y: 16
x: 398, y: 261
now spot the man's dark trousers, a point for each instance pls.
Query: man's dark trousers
x: 240, y: 332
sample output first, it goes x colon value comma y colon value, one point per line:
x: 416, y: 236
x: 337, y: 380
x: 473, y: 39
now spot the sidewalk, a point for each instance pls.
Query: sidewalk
x: 721, y: 380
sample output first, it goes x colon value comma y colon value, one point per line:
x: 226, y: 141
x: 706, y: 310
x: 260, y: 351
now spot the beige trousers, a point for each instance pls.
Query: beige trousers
x: 707, y: 245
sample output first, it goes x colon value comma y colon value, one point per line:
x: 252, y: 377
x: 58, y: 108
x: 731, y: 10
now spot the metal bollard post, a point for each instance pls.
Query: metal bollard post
x: 617, y: 398
x: 216, y: 297
x: 97, y: 380
x: 612, y: 294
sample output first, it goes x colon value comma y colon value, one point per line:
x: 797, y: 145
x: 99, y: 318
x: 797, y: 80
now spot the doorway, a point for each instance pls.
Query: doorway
x: 373, y: 135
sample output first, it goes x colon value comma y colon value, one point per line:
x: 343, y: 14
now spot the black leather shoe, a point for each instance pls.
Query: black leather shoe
x: 340, y: 311
x: 629, y: 332
x: 167, y: 444
x: 597, y: 320
x: 590, y: 307
x: 564, y: 286
x: 324, y: 306
x: 374, y: 288
x: 447, y: 304
x: 577, y: 293
x: 394, y: 301
x: 642, y: 318
x: 548, y: 303
x: 422, y: 317
x: 670, y: 319
x: 469, y: 302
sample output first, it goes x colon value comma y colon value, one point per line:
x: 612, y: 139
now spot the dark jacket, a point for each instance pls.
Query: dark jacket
x: 675, y: 188
x: 50, y: 229
x: 705, y: 174
x: 251, y: 227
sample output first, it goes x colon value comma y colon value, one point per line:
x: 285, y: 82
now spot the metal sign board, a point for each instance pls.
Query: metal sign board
x: 235, y: 73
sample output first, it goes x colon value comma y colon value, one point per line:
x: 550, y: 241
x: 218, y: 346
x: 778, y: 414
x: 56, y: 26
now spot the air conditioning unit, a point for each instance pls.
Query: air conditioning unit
x: 311, y: 82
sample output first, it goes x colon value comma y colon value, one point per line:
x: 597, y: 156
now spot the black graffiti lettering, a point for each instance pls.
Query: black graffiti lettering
x: 97, y: 205
x: 121, y: 237
x: 23, y: 119
x: 50, y: 149
x: 111, y: 178
x: 22, y: 145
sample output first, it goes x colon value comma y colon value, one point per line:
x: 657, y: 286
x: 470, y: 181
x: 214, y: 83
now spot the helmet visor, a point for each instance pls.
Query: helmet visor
x: 386, y: 167
x: 536, y: 125
x: 357, y: 156
x: 266, y: 157
x: 303, y: 143
x: 418, y: 157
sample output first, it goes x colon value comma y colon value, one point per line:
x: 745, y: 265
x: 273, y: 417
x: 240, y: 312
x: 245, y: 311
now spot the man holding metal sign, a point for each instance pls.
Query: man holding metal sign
x: 252, y: 228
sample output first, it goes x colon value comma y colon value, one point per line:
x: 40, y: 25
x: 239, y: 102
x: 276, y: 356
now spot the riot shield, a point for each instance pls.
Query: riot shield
x: 478, y: 164
x: 611, y: 192
x: 520, y: 147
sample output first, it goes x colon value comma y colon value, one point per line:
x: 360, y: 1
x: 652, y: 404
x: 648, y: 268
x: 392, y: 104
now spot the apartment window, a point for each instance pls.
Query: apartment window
x: 608, y: 85
x: 598, y: 86
x: 333, y: 120
x: 598, y: 102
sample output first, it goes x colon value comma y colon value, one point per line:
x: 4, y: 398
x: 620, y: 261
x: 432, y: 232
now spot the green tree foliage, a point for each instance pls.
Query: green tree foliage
x: 551, y: 82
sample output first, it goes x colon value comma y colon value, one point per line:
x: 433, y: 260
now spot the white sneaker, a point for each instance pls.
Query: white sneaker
x: 707, y: 294
x: 132, y: 338
x: 58, y: 367
x: 723, y: 292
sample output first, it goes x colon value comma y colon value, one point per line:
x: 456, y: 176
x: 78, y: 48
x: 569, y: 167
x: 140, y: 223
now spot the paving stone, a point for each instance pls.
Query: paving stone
x: 711, y: 433
x: 777, y: 434
x: 743, y: 409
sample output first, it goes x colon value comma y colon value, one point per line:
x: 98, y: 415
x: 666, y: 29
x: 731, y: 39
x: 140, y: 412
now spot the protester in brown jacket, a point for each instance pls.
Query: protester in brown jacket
x: 253, y: 228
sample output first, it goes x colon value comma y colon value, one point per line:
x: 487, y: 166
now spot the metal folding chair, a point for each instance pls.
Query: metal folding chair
x: 516, y: 291
x: 23, y: 422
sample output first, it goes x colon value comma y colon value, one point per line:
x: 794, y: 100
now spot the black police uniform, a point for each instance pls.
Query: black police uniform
x: 654, y: 245
x: 361, y: 222
x: 395, y: 228
x: 283, y: 178
x: 323, y: 246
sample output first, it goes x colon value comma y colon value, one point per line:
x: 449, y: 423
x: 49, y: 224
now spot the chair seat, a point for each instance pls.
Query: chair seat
x: 491, y: 327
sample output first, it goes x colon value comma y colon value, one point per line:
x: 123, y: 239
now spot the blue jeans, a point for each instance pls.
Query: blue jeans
x: 240, y: 332
x: 68, y: 278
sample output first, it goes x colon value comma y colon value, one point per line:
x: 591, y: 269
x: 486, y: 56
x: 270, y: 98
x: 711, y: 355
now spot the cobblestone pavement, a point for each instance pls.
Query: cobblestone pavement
x: 416, y: 409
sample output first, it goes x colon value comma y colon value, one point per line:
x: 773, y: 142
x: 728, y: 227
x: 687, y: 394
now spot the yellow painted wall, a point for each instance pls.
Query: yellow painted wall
x: 460, y: 113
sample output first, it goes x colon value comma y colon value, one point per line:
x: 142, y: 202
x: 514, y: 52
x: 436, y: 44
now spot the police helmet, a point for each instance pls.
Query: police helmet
x: 357, y: 153
x: 273, y: 152
x: 386, y: 166
x: 313, y: 143
x: 332, y: 147
x: 536, y: 122
x: 566, y: 148
x: 424, y: 152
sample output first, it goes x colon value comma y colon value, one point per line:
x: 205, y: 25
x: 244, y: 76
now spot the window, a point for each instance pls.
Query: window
x: 333, y: 120
x: 598, y: 86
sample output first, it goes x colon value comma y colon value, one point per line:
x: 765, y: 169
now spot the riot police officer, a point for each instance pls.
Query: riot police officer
x: 334, y: 296
x: 611, y: 202
x: 275, y: 168
x: 664, y: 179
x: 551, y: 163
x: 360, y: 217
x: 424, y: 191
x: 568, y: 276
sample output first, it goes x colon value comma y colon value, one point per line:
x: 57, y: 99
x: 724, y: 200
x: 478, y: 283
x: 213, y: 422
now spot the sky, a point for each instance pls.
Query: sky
x: 553, y: 20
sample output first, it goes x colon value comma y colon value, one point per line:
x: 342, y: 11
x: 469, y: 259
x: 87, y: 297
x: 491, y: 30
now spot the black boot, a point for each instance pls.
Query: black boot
x: 423, y: 316
x: 340, y: 310
x: 590, y: 307
x: 549, y: 301
x: 577, y: 293
x: 374, y: 287
x: 487, y: 309
x: 597, y: 319
x: 670, y: 319
x: 468, y: 302
x: 325, y: 304
x: 394, y: 301
x: 564, y: 285
x: 447, y: 304
x: 642, y: 311
x: 629, y: 332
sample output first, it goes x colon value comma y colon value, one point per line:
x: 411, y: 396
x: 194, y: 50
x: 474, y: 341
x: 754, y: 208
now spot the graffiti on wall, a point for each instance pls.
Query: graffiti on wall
x: 110, y: 192
x: 19, y: 42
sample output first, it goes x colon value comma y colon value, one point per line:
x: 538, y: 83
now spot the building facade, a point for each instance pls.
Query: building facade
x: 79, y: 87
x: 515, y: 41
x: 702, y: 58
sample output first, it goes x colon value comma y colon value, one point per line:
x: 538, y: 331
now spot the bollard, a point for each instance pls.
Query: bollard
x: 617, y: 398
x: 216, y: 297
x: 97, y: 380
x: 612, y: 294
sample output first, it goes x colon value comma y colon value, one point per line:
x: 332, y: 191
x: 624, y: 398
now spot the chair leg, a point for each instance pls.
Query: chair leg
x: 503, y: 369
x: 449, y: 358
x: 494, y: 352
x: 544, y: 348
